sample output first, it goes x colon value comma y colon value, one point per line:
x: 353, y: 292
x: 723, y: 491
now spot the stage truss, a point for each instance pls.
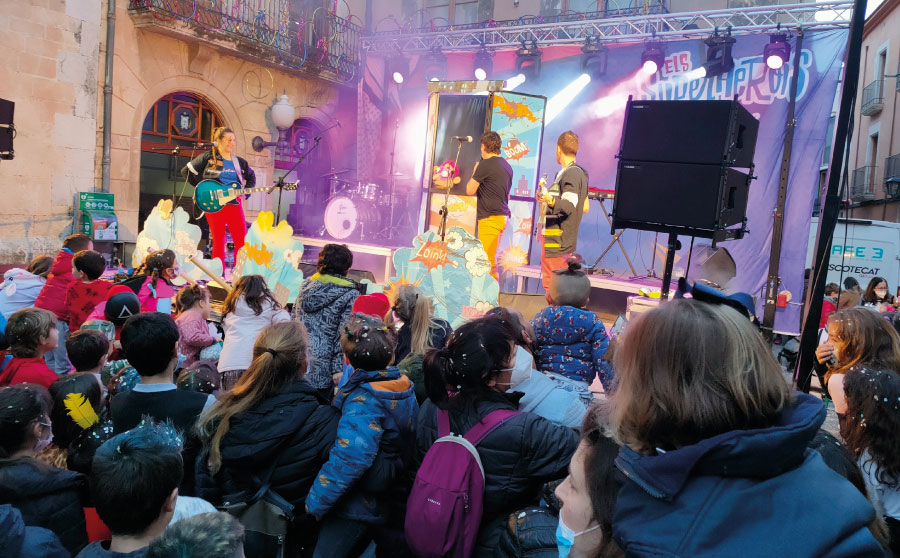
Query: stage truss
x: 756, y: 19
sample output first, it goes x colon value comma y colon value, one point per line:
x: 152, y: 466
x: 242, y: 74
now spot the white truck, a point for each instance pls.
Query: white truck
x: 862, y: 249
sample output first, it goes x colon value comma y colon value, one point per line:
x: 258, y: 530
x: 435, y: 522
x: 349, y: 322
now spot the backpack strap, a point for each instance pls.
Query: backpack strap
x: 488, y: 424
x: 443, y: 423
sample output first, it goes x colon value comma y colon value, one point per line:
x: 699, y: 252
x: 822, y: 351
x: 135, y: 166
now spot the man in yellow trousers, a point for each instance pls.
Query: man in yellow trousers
x: 490, y: 182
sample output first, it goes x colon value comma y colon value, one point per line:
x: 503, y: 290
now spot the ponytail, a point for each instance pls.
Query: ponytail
x: 416, y: 310
x: 156, y: 262
x: 189, y: 296
x: 439, y: 375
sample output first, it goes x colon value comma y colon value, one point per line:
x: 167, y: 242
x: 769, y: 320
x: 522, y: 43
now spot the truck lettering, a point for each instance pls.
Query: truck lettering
x: 865, y: 252
x: 854, y: 269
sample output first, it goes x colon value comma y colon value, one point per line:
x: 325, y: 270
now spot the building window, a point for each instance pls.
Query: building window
x: 880, y: 70
x: 178, y: 119
x: 451, y: 12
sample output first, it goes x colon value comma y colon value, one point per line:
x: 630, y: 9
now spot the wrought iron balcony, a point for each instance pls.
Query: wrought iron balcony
x: 268, y: 31
x: 862, y: 184
x: 892, y: 177
x: 873, y: 98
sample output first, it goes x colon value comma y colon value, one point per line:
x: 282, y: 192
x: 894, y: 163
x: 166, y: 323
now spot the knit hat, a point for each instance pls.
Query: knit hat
x: 376, y: 304
x: 121, y: 304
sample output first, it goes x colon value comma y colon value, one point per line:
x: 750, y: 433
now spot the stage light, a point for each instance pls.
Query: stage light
x: 595, y: 57
x: 483, y: 65
x: 528, y: 60
x: 718, y: 53
x: 514, y: 82
x: 777, y: 52
x: 653, y: 57
x: 435, y: 65
x: 561, y: 100
x: 398, y: 68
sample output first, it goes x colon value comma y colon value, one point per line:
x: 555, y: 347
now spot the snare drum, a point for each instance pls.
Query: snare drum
x: 345, y: 217
x: 370, y: 191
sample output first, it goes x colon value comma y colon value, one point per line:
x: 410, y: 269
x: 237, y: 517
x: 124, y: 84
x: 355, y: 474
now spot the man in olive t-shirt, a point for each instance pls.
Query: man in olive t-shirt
x: 490, y: 182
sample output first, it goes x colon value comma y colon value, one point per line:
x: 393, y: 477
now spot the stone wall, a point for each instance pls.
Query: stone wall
x: 49, y: 68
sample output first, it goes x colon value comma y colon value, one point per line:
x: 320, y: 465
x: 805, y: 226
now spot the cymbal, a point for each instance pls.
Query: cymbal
x: 389, y: 175
x: 334, y: 172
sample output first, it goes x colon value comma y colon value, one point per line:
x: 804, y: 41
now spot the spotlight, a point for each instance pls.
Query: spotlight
x: 483, y: 65
x: 777, y: 52
x: 653, y: 57
x: 561, y: 100
x: 594, y: 59
x: 398, y: 68
x: 718, y: 53
x: 528, y: 60
x: 514, y: 82
x: 435, y: 65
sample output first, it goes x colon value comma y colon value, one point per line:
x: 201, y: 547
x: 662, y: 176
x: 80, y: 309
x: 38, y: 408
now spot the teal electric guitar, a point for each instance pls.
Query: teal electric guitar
x: 211, y: 195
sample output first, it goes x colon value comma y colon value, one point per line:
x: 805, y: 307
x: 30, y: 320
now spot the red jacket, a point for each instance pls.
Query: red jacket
x: 82, y: 298
x: 53, y: 295
x: 828, y: 308
x: 32, y: 370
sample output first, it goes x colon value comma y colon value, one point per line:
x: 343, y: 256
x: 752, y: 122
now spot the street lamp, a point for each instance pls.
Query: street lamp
x: 283, y: 118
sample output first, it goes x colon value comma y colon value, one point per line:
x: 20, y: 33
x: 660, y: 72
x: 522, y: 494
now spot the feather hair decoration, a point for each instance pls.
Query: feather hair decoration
x: 81, y: 411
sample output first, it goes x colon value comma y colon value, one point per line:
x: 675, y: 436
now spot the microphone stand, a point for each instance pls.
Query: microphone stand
x: 280, y: 182
x: 442, y: 229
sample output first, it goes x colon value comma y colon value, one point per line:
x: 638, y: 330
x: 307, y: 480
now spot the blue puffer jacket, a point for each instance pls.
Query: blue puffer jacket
x: 745, y: 493
x: 19, y: 541
x: 324, y: 304
x: 572, y: 342
x: 377, y: 428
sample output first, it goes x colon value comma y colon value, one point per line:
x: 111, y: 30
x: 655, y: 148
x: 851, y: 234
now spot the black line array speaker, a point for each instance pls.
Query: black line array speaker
x: 7, y: 128
x: 701, y: 132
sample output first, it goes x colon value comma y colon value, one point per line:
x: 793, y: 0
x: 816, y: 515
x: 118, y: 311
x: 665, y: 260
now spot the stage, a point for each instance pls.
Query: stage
x: 379, y: 260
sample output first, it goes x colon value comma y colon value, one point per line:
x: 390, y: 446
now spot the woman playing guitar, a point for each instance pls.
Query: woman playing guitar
x: 231, y: 170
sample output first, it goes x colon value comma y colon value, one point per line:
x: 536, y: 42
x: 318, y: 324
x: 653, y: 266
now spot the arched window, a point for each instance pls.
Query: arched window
x: 178, y: 119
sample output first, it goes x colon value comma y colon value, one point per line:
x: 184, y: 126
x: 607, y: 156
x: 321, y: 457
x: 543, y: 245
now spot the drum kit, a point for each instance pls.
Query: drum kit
x: 358, y: 210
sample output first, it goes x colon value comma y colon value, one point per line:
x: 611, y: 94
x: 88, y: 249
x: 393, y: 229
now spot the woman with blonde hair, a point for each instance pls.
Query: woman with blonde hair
x: 857, y: 338
x: 270, y: 421
x: 714, y: 454
x: 421, y: 329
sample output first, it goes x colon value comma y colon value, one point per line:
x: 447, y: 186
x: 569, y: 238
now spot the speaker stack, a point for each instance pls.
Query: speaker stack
x: 677, y: 168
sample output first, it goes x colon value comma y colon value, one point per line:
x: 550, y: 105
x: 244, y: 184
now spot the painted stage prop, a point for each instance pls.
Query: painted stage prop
x: 273, y: 252
x: 455, y: 274
x: 165, y: 228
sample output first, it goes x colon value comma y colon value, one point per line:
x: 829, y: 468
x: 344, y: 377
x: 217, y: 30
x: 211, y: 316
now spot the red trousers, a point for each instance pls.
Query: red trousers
x: 550, y: 264
x: 231, y: 216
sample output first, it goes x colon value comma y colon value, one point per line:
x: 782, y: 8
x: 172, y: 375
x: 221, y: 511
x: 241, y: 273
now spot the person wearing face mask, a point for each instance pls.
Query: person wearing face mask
x: 877, y: 295
x: 469, y: 379
x: 47, y: 497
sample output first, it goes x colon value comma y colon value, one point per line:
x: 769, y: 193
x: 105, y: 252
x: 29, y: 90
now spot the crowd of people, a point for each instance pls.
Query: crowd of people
x: 362, y: 424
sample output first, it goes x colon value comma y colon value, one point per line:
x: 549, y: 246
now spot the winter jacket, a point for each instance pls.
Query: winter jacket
x: 242, y: 326
x: 744, y: 493
x: 19, y: 290
x: 53, y: 295
x: 193, y: 336
x: 19, y: 541
x: 518, y: 457
x: 47, y: 497
x: 571, y: 342
x: 82, y: 298
x: 32, y: 370
x: 100, y: 549
x: 196, y: 169
x: 292, y: 428
x: 325, y: 303
x: 439, y: 336
x: 155, y: 299
x: 376, y: 430
x: 530, y: 533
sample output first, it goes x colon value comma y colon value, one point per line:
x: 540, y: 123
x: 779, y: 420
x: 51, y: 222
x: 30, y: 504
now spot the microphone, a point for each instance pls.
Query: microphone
x: 204, y: 144
x: 465, y: 139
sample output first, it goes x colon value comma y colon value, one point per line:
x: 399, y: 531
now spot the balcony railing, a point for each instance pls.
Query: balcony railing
x: 873, y: 98
x: 320, y: 43
x: 892, y: 176
x: 862, y: 184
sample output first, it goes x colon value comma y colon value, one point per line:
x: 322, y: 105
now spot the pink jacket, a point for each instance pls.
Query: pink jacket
x: 53, y: 295
x: 193, y: 335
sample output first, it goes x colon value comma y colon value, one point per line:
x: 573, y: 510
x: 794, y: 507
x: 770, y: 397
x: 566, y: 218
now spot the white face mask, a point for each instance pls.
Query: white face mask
x: 521, y: 372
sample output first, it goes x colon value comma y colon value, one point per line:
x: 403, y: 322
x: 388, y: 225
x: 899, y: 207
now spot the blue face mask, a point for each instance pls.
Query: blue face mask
x: 565, y: 537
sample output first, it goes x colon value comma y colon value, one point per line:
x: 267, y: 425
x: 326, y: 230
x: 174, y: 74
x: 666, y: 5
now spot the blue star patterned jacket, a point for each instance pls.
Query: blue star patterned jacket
x: 743, y: 494
x: 376, y: 430
x: 571, y: 342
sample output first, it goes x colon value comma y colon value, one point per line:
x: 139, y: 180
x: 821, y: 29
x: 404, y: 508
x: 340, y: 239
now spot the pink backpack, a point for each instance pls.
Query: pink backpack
x: 444, y: 508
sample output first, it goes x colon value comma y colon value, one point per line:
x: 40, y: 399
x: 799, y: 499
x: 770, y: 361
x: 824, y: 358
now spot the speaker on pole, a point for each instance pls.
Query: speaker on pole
x: 7, y: 129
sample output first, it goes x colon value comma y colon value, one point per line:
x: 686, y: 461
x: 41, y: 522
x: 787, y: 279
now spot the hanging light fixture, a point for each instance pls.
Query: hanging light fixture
x: 483, y: 65
x: 777, y: 52
x: 653, y: 57
x: 594, y: 58
x: 528, y: 60
x: 718, y: 53
x: 435, y: 65
x: 283, y: 115
x: 398, y: 68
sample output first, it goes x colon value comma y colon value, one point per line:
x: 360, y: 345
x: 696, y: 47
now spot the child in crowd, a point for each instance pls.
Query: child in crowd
x: 77, y: 404
x: 134, y: 484
x: 87, y: 290
x: 121, y: 303
x: 155, y: 277
x: 421, y: 329
x: 249, y: 307
x: 207, y: 535
x: 150, y: 343
x: 325, y: 304
x: 31, y: 333
x: 47, y: 497
x: 829, y: 303
x: 193, y: 306
x: 377, y: 428
x: 870, y: 432
x: 202, y: 378
x: 569, y: 340
x: 20, y: 287
x: 53, y: 297
x: 88, y: 351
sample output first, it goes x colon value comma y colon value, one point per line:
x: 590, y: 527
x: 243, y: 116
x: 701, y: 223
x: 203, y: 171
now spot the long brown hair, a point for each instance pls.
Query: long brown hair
x: 417, y: 310
x: 279, y: 359
x: 156, y: 263
x: 689, y: 370
x: 255, y: 292
x: 868, y: 340
x: 872, y: 421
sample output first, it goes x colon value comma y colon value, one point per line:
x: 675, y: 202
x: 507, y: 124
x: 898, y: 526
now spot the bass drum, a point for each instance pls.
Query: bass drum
x: 345, y: 218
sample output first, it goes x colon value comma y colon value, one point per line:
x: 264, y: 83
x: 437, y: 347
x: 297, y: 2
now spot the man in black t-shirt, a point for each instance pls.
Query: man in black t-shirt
x: 490, y: 182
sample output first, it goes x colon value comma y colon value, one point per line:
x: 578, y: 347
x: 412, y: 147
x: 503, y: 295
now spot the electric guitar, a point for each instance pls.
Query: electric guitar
x: 542, y: 208
x: 211, y: 195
